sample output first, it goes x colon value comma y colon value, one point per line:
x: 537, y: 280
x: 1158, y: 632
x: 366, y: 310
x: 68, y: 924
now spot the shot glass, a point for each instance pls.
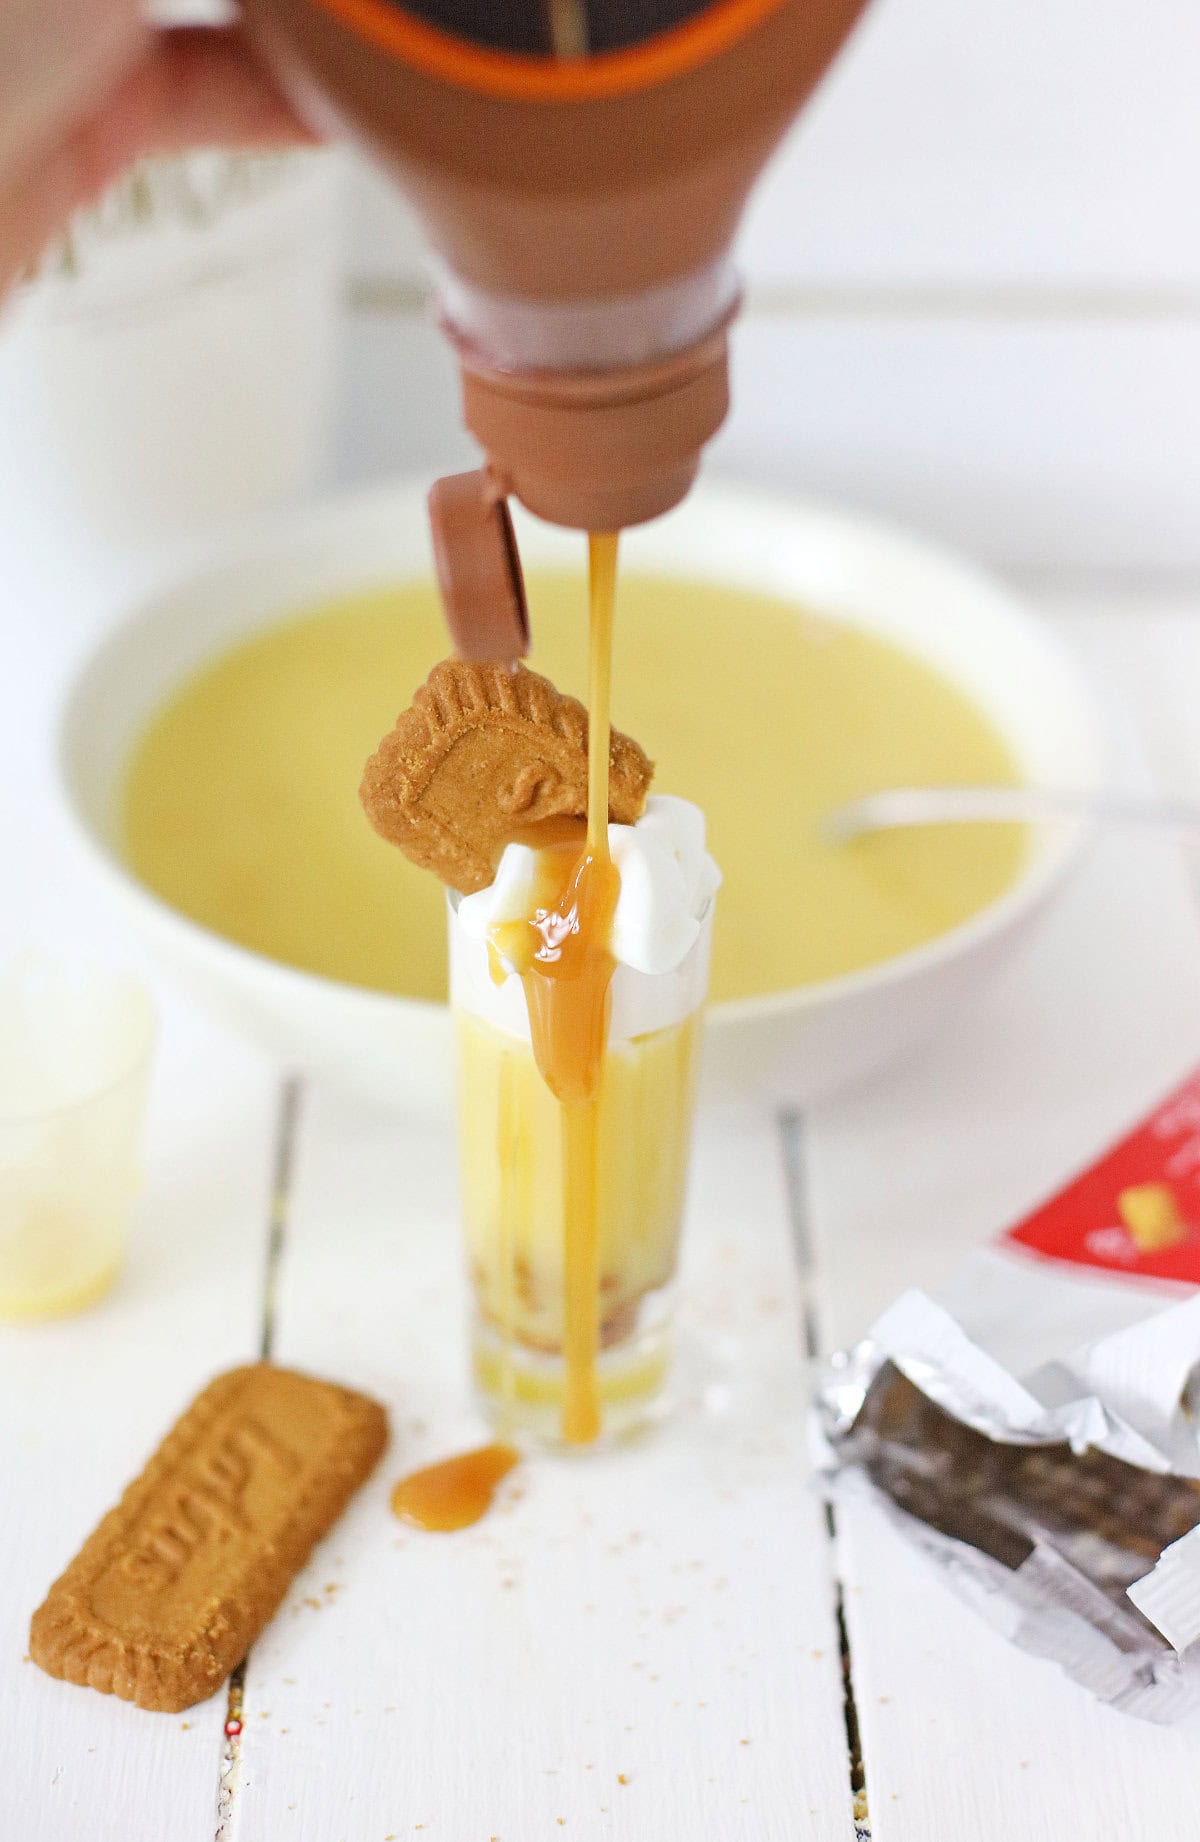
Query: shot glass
x: 75, y: 1047
x: 511, y: 1157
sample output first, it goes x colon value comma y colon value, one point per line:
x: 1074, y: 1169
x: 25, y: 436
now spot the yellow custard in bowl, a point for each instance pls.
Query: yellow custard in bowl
x: 239, y: 804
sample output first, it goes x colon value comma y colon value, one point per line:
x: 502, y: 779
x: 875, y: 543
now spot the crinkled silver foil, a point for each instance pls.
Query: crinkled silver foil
x: 1064, y: 1504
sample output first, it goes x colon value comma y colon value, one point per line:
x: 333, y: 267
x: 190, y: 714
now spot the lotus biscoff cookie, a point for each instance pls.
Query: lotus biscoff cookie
x: 484, y: 750
x: 169, y: 1592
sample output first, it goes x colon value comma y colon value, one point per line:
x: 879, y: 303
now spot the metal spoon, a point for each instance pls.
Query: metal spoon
x: 899, y: 807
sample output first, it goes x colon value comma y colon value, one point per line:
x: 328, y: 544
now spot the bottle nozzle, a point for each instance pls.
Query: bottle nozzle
x: 594, y: 450
x: 599, y: 450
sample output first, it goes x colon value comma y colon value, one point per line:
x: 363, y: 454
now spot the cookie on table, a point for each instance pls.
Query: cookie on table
x: 168, y: 1593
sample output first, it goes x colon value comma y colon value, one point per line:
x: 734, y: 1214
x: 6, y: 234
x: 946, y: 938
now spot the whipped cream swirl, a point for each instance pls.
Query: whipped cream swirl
x: 667, y: 877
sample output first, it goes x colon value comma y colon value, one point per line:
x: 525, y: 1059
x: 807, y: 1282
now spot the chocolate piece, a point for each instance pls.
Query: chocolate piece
x: 172, y: 1588
x: 1108, y: 1520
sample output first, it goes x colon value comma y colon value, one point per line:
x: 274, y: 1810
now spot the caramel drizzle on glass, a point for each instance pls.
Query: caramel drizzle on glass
x: 563, y: 955
x: 566, y: 966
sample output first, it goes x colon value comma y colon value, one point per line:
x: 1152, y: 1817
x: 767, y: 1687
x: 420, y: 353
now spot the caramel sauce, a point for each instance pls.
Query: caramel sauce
x: 455, y: 1492
x: 514, y: 1185
x: 547, y: 832
x: 562, y: 954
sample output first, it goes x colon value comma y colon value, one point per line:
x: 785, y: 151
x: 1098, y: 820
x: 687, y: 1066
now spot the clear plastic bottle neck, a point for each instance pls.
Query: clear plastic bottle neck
x: 514, y: 334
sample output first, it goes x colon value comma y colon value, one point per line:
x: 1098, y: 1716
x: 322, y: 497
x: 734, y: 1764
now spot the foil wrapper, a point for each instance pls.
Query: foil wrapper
x: 1061, y: 1496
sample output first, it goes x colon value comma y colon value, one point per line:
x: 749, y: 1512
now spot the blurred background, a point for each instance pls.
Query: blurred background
x: 973, y: 304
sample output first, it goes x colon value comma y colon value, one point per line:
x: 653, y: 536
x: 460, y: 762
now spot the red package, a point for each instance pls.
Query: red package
x: 1137, y: 1211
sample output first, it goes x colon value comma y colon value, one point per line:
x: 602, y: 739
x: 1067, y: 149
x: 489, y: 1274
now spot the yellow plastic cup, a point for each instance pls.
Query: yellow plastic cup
x: 75, y: 1049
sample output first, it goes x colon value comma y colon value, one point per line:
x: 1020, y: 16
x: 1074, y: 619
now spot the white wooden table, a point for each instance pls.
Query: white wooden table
x: 668, y: 1644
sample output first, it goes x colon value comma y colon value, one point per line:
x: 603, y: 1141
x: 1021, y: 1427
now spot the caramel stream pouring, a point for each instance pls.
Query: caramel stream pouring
x: 487, y: 754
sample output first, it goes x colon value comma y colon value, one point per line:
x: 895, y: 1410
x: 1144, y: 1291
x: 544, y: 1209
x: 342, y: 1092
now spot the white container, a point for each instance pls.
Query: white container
x: 75, y: 1047
x: 171, y: 362
x: 789, y: 1047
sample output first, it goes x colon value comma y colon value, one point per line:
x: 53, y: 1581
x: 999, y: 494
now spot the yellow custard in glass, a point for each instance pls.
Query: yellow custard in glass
x: 645, y: 1112
x: 240, y: 802
x: 511, y: 1150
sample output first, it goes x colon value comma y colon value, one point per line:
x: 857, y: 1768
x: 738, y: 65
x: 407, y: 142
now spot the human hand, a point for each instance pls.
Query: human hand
x: 89, y: 86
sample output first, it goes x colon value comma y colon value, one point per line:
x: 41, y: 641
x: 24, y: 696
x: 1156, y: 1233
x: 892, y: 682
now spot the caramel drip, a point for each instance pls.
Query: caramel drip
x: 597, y: 886
x: 511, y: 1165
x: 562, y: 953
x: 455, y: 1492
x: 602, y: 579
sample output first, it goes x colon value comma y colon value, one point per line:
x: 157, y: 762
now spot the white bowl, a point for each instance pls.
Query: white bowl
x: 790, y: 1047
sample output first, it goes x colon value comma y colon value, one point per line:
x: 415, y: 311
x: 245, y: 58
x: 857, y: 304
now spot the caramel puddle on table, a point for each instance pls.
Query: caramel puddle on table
x: 455, y: 1492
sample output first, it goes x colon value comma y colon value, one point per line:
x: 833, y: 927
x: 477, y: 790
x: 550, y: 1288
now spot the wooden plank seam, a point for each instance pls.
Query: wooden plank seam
x: 290, y: 1096
x: 791, y: 1139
